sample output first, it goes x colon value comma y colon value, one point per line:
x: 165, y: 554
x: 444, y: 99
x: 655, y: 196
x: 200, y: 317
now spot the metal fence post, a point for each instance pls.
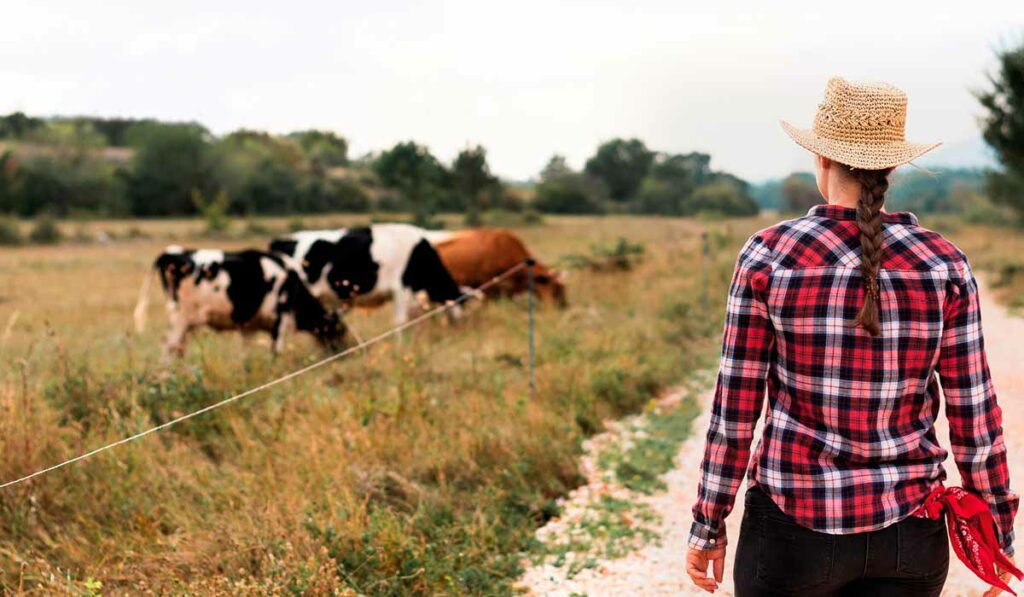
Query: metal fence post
x: 532, y: 338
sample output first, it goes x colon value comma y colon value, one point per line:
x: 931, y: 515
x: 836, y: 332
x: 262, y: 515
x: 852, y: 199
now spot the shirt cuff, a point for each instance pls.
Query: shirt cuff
x: 1008, y: 543
x: 704, y: 537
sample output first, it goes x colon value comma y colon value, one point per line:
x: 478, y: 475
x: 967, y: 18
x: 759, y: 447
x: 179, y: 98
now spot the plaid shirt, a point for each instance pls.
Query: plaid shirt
x: 849, y: 443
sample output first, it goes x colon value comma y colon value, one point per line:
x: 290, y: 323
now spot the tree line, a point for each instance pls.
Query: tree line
x: 961, y: 192
x: 625, y: 176
x: 114, y: 167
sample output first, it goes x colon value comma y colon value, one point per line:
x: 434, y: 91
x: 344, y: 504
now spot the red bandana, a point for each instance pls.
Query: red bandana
x: 971, y: 532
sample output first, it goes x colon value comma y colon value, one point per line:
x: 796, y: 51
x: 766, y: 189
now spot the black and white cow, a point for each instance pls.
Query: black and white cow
x: 248, y: 291
x: 370, y: 265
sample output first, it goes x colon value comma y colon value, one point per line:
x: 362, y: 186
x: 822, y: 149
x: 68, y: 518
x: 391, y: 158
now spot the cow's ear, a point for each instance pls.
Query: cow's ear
x: 560, y: 274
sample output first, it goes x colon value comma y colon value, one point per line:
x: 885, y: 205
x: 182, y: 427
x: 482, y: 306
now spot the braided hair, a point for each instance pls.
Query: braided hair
x: 873, y: 185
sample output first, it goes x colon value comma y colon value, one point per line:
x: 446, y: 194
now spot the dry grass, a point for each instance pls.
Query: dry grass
x: 421, y: 468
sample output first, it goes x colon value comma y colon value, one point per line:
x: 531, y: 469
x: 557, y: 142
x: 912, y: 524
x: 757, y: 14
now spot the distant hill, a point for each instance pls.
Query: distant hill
x: 966, y: 154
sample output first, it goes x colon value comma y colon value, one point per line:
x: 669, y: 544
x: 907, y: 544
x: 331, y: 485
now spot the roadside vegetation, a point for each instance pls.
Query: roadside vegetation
x: 610, y: 516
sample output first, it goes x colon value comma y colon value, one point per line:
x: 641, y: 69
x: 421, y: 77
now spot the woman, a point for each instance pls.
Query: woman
x: 844, y: 316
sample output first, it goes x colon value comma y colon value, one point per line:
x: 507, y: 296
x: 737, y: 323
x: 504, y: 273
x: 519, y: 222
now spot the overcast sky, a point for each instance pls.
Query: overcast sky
x: 526, y: 79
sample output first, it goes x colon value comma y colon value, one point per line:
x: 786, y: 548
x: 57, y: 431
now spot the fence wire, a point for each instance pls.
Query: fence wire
x: 465, y: 296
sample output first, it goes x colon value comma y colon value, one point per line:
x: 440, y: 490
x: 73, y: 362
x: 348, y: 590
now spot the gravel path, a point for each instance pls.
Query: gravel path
x: 658, y: 569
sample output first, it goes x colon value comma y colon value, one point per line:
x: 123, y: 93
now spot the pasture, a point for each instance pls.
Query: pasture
x: 422, y: 466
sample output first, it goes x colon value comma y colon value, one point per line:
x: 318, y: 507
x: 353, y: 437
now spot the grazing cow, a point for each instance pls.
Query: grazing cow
x: 247, y: 291
x: 476, y: 256
x: 370, y: 265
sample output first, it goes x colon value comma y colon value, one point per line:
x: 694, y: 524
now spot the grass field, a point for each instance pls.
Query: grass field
x: 422, y: 467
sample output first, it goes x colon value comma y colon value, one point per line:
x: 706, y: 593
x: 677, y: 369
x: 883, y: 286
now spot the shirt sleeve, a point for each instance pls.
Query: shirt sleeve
x: 975, y: 419
x: 739, y: 394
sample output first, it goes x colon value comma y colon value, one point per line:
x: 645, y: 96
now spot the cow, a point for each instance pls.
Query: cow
x: 475, y: 256
x: 248, y: 291
x: 368, y: 266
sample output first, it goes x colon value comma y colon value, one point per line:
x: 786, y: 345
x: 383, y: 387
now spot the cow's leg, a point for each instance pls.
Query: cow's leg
x: 455, y: 313
x: 284, y: 326
x: 174, y: 345
x: 403, y: 300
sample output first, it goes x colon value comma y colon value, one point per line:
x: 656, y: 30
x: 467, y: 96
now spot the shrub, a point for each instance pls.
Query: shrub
x: 508, y: 219
x: 10, y: 231
x: 620, y: 256
x: 572, y: 194
x: 214, y: 211
x: 720, y: 198
x: 254, y: 227
x: 45, y: 230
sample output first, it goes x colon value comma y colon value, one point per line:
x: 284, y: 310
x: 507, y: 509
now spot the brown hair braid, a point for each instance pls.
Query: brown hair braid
x: 873, y: 185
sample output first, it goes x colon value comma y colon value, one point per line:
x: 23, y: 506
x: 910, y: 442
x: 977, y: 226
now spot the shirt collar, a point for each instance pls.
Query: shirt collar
x: 839, y: 212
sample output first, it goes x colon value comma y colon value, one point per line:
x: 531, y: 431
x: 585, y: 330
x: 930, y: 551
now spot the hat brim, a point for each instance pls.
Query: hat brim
x: 865, y: 156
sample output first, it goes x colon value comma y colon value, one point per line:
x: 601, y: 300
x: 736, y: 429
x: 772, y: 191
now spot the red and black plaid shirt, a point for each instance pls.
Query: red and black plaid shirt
x: 849, y: 443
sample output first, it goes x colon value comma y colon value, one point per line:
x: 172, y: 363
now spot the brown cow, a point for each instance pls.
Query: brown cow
x: 474, y: 257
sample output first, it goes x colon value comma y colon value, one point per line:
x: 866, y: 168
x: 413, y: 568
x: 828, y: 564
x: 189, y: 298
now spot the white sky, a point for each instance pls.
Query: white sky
x: 526, y: 79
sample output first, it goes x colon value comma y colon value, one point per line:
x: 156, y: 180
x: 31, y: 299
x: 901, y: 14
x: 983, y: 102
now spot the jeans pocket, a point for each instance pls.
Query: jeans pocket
x: 923, y: 547
x: 792, y: 558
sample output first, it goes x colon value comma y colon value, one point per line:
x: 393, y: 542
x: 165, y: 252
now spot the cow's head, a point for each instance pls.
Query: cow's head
x: 548, y: 285
x: 310, y: 316
x: 331, y: 332
x: 174, y: 265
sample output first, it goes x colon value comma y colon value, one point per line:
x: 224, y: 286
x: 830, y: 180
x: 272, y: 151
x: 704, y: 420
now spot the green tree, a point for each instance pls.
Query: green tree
x: 410, y: 169
x: 324, y: 148
x: 932, y: 192
x: 671, y: 180
x: 170, y: 160
x: 1003, y: 128
x: 262, y: 174
x: 799, y: 192
x: 17, y: 125
x: 8, y: 190
x: 563, y: 190
x: 472, y: 177
x: 723, y: 197
x: 65, y: 173
x: 622, y: 165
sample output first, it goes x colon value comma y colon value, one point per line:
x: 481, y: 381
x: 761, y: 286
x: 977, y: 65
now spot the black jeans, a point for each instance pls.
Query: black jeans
x: 777, y: 556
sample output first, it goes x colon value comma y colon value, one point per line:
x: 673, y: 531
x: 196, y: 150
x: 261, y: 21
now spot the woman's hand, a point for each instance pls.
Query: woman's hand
x: 697, y: 567
x: 1004, y: 576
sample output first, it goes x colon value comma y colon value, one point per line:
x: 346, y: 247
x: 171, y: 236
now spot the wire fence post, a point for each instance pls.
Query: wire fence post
x: 705, y: 252
x: 530, y: 300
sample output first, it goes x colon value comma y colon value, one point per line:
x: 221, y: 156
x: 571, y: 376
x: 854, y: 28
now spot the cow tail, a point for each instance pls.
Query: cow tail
x: 139, y: 315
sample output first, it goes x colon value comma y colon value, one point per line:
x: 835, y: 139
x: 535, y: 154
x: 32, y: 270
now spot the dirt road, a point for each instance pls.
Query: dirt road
x: 657, y: 569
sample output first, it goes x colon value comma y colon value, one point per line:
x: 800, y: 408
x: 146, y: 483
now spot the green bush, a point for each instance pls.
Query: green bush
x: 573, y: 194
x: 254, y: 227
x: 45, y: 230
x: 620, y: 256
x: 10, y: 231
x: 504, y: 218
x: 214, y: 211
x: 720, y: 198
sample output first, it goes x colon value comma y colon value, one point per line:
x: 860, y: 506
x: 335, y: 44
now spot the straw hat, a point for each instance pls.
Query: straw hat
x: 860, y: 125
